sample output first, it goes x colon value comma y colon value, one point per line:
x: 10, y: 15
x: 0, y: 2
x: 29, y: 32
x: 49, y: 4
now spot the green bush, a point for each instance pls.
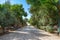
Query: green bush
x: 49, y: 29
x: 43, y: 27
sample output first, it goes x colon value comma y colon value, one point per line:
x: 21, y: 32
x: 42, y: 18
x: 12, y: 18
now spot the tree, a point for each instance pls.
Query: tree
x: 11, y: 14
x: 19, y: 12
x: 44, y: 12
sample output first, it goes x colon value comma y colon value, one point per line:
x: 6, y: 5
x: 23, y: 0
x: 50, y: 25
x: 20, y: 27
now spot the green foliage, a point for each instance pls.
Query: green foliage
x: 42, y: 27
x: 44, y: 12
x: 11, y: 14
x: 49, y: 29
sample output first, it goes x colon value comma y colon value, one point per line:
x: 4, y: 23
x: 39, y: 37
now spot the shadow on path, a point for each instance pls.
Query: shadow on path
x: 24, y: 34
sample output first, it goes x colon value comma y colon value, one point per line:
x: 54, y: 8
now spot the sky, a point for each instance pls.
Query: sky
x: 23, y: 2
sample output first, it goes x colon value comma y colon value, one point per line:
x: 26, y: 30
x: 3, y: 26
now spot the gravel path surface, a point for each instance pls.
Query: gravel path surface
x: 29, y: 33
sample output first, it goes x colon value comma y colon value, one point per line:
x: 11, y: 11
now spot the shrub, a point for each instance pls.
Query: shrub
x: 49, y: 29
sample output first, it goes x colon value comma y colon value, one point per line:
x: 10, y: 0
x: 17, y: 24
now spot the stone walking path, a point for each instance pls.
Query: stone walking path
x: 29, y: 33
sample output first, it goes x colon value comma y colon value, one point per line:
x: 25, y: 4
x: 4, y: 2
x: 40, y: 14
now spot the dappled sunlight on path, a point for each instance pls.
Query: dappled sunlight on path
x: 27, y: 33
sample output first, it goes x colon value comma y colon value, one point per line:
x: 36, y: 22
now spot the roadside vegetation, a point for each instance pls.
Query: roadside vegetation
x: 11, y: 16
x: 45, y: 14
